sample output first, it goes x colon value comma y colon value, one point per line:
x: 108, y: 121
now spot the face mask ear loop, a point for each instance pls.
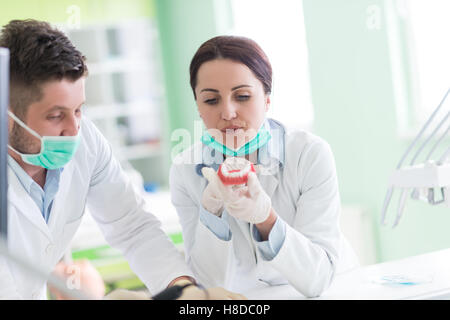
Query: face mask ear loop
x: 23, y: 125
x: 14, y: 150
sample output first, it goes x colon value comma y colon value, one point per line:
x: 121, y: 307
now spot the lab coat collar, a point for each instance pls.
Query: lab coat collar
x: 57, y: 213
x: 22, y: 176
x: 273, y: 153
x: 24, y: 204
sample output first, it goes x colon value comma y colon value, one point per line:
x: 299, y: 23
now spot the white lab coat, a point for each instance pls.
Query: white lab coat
x: 304, y: 194
x: 93, y: 178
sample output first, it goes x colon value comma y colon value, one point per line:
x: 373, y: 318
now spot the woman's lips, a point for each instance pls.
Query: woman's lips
x: 231, y: 129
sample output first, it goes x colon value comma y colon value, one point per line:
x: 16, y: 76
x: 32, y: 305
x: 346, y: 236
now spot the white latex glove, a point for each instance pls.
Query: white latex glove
x: 249, y: 203
x: 211, y: 201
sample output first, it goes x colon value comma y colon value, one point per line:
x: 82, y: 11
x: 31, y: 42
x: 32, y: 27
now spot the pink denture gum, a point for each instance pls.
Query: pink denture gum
x: 234, y: 171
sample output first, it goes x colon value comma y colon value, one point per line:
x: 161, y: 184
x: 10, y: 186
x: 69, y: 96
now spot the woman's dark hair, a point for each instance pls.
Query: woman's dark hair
x: 38, y: 53
x: 239, y: 49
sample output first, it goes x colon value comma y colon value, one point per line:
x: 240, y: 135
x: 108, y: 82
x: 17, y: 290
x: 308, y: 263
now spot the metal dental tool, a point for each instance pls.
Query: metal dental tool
x: 425, y: 176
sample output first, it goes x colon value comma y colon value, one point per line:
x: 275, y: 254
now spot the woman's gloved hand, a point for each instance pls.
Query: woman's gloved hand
x: 249, y: 203
x: 211, y: 201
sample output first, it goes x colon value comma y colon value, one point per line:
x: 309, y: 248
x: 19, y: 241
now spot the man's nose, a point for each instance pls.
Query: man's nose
x: 71, y: 126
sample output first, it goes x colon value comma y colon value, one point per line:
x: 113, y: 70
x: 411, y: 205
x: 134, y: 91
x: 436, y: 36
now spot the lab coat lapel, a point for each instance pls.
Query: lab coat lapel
x: 242, y: 242
x: 269, y: 183
x: 58, y: 215
x: 268, y: 180
x: 23, y: 203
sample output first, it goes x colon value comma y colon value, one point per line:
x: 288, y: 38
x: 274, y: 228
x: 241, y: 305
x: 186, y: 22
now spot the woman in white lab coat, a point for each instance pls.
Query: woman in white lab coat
x: 285, y: 228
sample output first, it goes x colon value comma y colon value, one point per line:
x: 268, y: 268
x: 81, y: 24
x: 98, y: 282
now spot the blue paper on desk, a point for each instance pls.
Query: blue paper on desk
x: 402, y: 280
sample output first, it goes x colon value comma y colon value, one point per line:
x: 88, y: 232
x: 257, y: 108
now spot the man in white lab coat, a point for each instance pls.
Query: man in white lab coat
x: 59, y: 163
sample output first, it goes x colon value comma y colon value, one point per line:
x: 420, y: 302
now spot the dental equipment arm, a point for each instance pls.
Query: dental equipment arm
x: 425, y: 176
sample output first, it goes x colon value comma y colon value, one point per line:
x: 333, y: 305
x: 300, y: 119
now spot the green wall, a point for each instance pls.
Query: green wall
x: 90, y: 10
x: 184, y: 26
x: 354, y: 104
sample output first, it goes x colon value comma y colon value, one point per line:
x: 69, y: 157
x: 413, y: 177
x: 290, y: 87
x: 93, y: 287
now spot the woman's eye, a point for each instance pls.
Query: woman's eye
x: 243, y: 97
x: 211, y: 101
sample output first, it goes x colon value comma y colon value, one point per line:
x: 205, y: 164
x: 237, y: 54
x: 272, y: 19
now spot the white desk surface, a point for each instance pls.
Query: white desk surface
x: 433, y: 269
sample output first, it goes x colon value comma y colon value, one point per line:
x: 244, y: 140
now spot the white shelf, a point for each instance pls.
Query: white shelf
x: 125, y: 93
x: 138, y: 151
x: 116, y: 110
x: 118, y: 65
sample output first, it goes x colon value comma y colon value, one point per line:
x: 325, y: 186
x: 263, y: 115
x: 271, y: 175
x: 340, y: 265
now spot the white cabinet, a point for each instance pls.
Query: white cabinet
x: 125, y: 93
x: 357, y: 226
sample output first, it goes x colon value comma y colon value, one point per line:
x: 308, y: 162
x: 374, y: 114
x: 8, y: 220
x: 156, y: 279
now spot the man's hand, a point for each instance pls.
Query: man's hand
x: 82, y: 275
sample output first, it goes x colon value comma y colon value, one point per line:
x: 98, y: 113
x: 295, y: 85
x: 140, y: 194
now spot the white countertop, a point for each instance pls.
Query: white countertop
x: 430, y: 272
x: 431, y: 269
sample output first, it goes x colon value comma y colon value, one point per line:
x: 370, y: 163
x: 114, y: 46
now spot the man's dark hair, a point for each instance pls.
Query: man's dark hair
x: 38, y: 53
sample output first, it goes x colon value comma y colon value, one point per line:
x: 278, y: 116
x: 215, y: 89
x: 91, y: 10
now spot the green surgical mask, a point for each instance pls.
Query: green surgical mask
x: 261, y: 138
x: 56, y: 151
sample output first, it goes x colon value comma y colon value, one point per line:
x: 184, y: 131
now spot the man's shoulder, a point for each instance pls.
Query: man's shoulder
x: 91, y: 144
x: 88, y: 129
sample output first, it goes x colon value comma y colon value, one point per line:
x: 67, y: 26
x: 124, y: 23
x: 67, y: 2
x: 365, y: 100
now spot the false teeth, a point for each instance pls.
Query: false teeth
x: 234, y: 171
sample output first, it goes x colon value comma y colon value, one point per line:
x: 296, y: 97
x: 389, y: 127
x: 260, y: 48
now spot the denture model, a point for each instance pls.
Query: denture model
x: 234, y: 171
